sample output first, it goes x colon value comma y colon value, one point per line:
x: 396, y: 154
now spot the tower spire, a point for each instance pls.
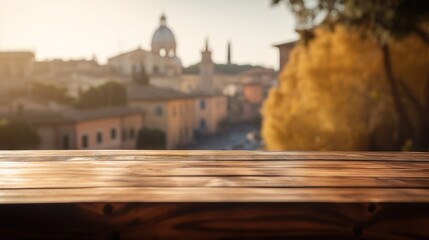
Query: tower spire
x: 163, y: 20
x: 206, y: 69
x: 229, y: 52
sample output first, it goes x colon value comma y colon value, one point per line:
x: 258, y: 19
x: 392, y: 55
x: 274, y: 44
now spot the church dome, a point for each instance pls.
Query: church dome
x: 163, y: 39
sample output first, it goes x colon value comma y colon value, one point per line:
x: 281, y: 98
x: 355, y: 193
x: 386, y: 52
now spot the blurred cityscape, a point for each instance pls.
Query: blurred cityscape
x: 139, y: 99
x: 279, y: 75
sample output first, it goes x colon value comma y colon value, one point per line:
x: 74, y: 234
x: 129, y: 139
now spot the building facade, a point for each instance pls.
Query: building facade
x: 167, y: 110
x: 206, y: 70
x: 15, y: 68
x: 102, y: 128
x: 161, y: 60
x: 209, y: 111
x: 180, y: 116
x: 284, y: 51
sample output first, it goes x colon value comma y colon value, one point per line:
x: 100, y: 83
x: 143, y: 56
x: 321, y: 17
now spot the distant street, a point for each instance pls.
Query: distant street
x: 237, y: 137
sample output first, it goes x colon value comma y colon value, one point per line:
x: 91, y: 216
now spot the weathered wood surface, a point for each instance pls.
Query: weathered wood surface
x: 213, y: 195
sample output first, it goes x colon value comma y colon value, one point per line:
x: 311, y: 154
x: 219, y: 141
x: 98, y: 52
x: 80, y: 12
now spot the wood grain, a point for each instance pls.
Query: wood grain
x: 213, y: 195
x: 46, y: 155
x: 215, y: 221
x: 202, y: 194
x: 181, y: 176
x: 97, y: 180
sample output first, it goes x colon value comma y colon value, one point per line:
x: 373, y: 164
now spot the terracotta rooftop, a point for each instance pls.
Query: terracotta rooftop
x: 290, y: 44
x: 71, y: 115
x: 149, y: 93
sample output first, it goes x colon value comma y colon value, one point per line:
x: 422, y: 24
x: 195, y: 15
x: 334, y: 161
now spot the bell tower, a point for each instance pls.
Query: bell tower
x: 229, y: 53
x: 206, y: 69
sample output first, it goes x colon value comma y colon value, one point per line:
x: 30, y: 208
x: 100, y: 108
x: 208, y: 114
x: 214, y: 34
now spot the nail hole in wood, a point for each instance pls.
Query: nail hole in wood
x: 357, y: 231
x: 108, y: 209
x: 116, y: 236
x: 371, y: 207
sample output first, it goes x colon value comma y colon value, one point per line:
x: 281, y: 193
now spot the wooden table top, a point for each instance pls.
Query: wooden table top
x: 212, y: 176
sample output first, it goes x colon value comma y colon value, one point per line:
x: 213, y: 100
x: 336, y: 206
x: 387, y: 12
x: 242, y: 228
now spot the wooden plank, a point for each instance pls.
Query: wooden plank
x: 213, y: 195
x: 64, y: 181
x: 89, y: 169
x: 167, y: 180
x: 221, y: 194
x: 119, y: 155
x: 351, y: 164
x: 215, y: 221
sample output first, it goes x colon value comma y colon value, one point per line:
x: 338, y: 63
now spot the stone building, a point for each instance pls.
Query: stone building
x: 161, y: 60
x: 209, y: 111
x: 102, y: 128
x: 206, y: 70
x: 180, y: 116
x: 15, y: 67
x: 284, y: 51
x: 167, y: 110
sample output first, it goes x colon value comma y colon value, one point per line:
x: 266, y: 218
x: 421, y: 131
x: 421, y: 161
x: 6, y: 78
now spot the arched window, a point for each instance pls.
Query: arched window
x: 171, y: 53
x: 202, y: 104
x: 162, y: 52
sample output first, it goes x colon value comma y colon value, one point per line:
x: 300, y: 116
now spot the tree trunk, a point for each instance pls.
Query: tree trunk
x: 405, y: 127
x: 422, y: 136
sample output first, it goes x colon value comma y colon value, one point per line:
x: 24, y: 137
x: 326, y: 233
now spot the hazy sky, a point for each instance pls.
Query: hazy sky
x: 81, y: 28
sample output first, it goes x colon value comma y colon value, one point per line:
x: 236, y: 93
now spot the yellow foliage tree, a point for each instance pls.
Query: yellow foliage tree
x: 334, y: 95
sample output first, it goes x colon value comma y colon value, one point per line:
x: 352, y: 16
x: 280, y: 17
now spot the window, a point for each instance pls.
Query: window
x: 113, y: 133
x: 159, y: 111
x: 99, y: 137
x: 203, y: 124
x: 203, y: 104
x: 85, y: 141
x: 132, y: 133
x: 65, y: 142
x: 171, y: 53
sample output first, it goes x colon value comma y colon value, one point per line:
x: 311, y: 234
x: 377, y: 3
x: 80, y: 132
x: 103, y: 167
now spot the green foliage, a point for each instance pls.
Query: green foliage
x: 141, y: 77
x: 333, y: 94
x: 17, y: 134
x: 151, y: 139
x: 384, y: 20
x: 42, y: 91
x: 50, y: 92
x: 108, y: 94
x: 220, y: 69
